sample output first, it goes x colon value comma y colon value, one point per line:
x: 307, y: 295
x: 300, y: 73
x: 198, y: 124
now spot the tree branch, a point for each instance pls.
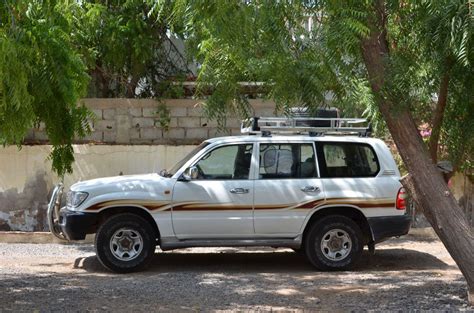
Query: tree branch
x: 438, y: 115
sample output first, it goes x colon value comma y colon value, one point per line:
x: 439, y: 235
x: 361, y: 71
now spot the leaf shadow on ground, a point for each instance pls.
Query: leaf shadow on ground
x: 393, y: 279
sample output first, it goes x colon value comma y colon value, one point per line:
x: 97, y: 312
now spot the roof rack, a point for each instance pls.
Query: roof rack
x: 312, y: 126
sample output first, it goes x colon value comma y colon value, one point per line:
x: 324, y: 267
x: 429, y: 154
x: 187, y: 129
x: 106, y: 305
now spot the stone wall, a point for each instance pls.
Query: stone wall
x: 137, y: 121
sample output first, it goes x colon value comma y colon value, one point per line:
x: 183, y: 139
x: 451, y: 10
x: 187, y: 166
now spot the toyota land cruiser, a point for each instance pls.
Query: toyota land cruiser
x: 326, y: 195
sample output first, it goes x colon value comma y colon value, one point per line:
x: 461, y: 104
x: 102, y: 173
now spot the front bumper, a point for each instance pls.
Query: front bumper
x: 389, y: 226
x: 75, y: 225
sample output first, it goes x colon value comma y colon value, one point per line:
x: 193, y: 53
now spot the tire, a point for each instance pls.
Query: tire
x: 125, y: 243
x: 334, y: 243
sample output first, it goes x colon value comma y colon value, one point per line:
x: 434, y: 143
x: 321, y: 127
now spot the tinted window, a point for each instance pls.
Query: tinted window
x: 227, y: 162
x: 286, y: 161
x: 347, y: 160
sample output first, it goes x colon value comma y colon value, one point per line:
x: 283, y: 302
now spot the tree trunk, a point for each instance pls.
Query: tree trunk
x: 426, y: 183
x: 130, y: 87
x: 438, y: 116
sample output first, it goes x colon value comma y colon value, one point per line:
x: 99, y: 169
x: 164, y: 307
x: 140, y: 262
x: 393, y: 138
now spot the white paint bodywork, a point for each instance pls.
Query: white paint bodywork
x: 161, y: 196
x: 215, y: 223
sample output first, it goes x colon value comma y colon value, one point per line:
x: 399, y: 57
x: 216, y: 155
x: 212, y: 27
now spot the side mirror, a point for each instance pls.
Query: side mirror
x: 190, y: 174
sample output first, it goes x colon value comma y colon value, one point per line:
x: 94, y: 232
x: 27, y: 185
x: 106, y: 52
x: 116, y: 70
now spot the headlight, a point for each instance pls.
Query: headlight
x: 75, y: 198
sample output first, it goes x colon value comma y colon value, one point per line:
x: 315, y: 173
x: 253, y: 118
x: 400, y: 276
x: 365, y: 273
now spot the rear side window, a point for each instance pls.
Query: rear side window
x: 287, y: 161
x: 337, y: 159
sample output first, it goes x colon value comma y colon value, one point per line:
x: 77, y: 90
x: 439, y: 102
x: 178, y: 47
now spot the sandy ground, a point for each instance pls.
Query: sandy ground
x: 405, y: 274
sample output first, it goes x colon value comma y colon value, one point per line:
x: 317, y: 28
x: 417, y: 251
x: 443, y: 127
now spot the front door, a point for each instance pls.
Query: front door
x: 219, y: 202
x: 286, y: 188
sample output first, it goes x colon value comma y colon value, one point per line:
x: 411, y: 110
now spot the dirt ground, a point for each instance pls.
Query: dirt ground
x: 405, y: 274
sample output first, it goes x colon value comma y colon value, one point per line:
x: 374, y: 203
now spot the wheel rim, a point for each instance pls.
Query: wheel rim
x: 336, y: 244
x: 126, y: 244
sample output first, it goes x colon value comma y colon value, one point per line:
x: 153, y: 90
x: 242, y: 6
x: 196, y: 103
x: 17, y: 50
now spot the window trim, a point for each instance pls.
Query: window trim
x: 322, y: 159
x: 212, y: 148
x: 316, y: 159
x: 257, y: 156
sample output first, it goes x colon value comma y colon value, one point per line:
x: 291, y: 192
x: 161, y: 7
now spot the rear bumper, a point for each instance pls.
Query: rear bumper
x: 75, y: 225
x: 389, y: 226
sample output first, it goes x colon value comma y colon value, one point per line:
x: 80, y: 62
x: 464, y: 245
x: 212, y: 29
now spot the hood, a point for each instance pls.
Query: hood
x: 127, y: 184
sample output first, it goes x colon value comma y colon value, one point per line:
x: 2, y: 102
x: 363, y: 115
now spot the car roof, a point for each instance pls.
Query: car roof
x: 295, y: 138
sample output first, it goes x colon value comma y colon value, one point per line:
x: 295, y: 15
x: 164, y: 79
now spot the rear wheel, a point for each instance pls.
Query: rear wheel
x: 334, y: 243
x: 125, y: 243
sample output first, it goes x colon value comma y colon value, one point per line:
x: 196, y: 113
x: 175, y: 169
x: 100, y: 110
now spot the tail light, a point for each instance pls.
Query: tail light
x: 401, y: 197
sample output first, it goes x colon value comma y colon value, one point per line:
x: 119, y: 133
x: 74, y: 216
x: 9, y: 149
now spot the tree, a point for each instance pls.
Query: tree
x: 42, y: 77
x: 392, y: 57
x: 126, y: 47
x: 425, y: 183
x: 49, y: 50
x: 448, y: 26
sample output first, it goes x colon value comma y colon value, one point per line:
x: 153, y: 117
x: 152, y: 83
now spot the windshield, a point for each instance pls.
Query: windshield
x: 178, y: 165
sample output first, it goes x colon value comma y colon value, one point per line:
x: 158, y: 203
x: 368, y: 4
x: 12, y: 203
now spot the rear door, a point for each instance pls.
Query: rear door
x: 349, y: 172
x: 287, y: 187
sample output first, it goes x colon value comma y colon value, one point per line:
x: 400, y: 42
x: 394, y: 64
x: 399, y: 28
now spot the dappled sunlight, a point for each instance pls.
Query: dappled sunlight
x: 286, y: 279
x: 287, y: 291
x: 240, y: 278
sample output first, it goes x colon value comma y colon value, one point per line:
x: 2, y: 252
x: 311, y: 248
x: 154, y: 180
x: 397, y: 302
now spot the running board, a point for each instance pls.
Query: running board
x: 171, y: 243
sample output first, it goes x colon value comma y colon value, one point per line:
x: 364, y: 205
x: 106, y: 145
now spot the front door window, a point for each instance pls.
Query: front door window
x: 226, y: 163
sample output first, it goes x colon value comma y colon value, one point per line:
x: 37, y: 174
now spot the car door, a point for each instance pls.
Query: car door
x: 349, y: 172
x: 286, y: 188
x: 218, y: 203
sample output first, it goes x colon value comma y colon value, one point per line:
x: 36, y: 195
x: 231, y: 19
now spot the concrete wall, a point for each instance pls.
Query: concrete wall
x: 26, y: 180
x: 127, y: 138
x: 137, y: 121
x: 462, y: 187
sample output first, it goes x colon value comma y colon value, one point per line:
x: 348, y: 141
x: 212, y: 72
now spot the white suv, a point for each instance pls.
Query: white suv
x: 327, y: 196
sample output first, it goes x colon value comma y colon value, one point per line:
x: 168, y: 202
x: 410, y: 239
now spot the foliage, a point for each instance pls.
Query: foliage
x: 307, y: 53
x: 269, y: 41
x: 237, y: 41
x: 163, y: 116
x: 48, y: 48
x: 126, y: 46
x: 458, y: 126
x: 42, y: 77
x: 450, y: 24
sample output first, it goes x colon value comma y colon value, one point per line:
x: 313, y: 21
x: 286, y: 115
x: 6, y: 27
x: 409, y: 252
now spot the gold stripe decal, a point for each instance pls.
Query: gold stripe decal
x: 150, y: 205
x: 157, y: 206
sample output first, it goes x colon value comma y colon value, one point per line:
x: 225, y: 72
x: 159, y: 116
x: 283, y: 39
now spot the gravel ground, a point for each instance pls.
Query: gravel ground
x: 405, y: 274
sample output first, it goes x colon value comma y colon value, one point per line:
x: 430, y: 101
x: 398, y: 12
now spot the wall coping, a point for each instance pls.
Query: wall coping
x: 124, y: 103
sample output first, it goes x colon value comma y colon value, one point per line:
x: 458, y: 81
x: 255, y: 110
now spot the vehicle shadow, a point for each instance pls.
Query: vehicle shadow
x: 271, y: 262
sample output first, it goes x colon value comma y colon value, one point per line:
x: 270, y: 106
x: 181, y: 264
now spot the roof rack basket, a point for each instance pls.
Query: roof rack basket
x: 313, y: 126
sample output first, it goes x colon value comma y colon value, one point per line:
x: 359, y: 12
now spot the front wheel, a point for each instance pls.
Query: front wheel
x: 125, y: 243
x: 334, y: 243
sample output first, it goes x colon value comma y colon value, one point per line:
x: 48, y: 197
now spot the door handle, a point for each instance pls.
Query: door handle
x: 310, y: 189
x: 239, y: 190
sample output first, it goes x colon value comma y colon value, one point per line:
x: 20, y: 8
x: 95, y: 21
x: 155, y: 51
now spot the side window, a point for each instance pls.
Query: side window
x: 227, y: 162
x: 286, y: 161
x: 347, y: 160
